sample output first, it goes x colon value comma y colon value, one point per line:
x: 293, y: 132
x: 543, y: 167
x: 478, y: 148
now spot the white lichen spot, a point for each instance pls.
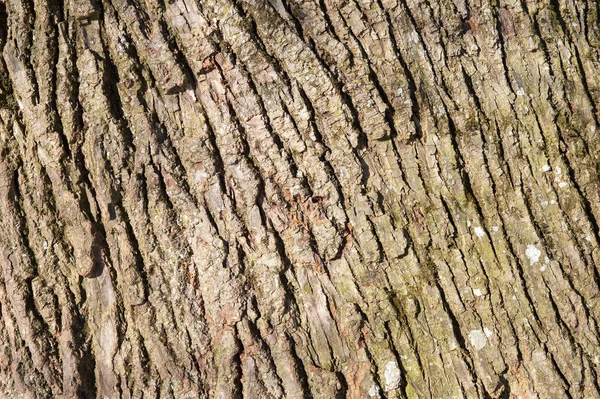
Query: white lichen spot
x: 488, y: 333
x: 374, y: 392
x: 533, y: 254
x: 545, y: 168
x: 544, y: 203
x: 478, y: 339
x: 558, y: 170
x: 495, y: 229
x: 563, y: 184
x: 477, y: 292
x: 520, y: 92
x: 479, y: 232
x: 392, y: 376
x: 543, y: 268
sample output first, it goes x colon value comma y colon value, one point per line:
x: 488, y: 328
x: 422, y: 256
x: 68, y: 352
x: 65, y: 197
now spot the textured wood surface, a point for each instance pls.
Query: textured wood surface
x: 299, y: 198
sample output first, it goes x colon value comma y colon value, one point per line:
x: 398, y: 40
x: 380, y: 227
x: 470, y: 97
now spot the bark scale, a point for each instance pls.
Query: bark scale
x: 299, y: 198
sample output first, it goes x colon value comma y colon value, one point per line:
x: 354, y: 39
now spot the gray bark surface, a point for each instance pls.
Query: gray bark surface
x: 299, y: 198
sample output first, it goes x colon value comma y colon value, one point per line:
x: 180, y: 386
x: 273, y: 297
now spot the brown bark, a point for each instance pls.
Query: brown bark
x: 299, y: 198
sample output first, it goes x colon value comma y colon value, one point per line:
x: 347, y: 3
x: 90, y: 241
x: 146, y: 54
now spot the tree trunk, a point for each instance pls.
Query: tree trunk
x: 299, y: 198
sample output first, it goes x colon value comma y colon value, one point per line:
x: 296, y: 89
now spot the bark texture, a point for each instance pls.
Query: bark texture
x: 299, y: 198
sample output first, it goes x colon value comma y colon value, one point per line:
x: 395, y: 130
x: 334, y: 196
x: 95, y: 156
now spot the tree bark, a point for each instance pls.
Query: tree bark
x: 299, y: 198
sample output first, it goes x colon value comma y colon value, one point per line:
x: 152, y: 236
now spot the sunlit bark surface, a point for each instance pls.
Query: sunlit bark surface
x: 299, y: 199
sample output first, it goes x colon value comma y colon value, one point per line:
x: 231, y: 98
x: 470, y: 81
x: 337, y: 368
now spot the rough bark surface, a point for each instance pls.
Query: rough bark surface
x: 299, y: 198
